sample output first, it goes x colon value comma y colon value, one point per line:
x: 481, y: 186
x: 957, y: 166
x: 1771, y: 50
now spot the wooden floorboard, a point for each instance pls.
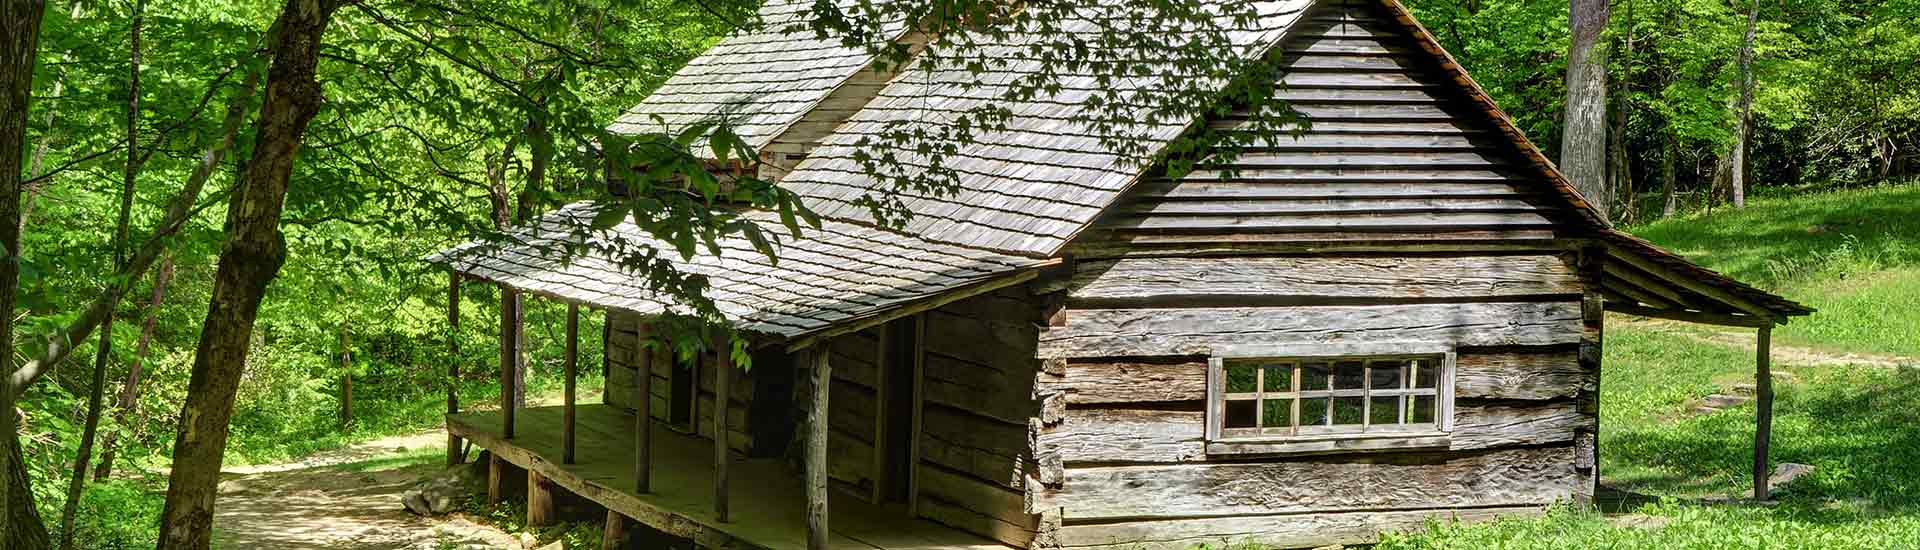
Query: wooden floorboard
x: 767, y: 502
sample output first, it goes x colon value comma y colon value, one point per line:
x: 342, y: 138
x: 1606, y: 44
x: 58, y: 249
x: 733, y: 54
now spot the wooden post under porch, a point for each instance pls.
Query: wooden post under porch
x: 681, y: 501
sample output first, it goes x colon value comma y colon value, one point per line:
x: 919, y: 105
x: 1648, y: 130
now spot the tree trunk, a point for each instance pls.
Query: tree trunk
x: 503, y: 216
x: 1668, y: 173
x: 20, y: 525
x: 96, y: 396
x: 1583, y: 152
x: 346, y: 377
x: 129, y: 400
x: 1620, y: 169
x: 250, y: 259
x: 61, y: 345
x: 1740, y: 164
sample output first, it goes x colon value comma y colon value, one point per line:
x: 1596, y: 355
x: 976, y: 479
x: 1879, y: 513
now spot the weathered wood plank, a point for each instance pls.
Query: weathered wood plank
x: 967, y: 443
x: 1282, y: 531
x: 968, y: 520
x: 1151, y: 332
x: 1182, y: 379
x: 1324, y: 276
x: 1258, y: 221
x: 1537, y: 475
x: 1094, y: 436
x: 1521, y: 375
x: 1296, y: 184
x: 994, y: 500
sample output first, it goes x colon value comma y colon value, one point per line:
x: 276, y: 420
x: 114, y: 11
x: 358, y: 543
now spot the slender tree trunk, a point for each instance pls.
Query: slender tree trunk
x: 1669, y: 173
x: 250, y: 259
x: 96, y: 397
x: 346, y: 376
x: 61, y: 345
x: 1620, y: 171
x: 504, y: 213
x: 20, y: 525
x: 129, y: 401
x: 1740, y: 163
x: 1583, y: 152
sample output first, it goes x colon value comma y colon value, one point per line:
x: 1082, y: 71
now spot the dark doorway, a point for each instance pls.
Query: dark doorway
x: 772, y: 415
x: 681, y: 398
x: 900, y: 364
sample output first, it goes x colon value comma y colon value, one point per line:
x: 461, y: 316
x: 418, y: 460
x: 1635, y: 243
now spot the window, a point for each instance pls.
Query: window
x: 1309, y: 400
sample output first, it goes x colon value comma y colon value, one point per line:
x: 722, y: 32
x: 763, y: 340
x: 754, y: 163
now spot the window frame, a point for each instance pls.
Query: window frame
x: 1400, y: 437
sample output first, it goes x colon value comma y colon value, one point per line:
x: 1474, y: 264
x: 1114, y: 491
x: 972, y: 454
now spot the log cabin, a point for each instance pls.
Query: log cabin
x: 1390, y: 316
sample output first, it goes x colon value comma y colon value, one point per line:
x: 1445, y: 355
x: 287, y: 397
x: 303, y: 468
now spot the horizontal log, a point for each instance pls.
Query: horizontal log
x: 1003, y: 396
x: 1268, y: 221
x: 1527, y: 476
x: 1099, y: 436
x: 1338, y: 206
x: 1310, y: 183
x: 985, y: 498
x: 1324, y: 276
x: 1280, y: 531
x: 971, y: 444
x: 1000, y: 344
x: 946, y: 513
x: 1131, y: 382
x: 1539, y: 375
x: 1156, y: 332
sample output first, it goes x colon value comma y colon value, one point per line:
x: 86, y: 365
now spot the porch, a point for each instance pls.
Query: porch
x: 769, y: 508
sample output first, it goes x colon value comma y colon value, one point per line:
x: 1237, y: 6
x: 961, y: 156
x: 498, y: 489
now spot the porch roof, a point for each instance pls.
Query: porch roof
x: 839, y: 274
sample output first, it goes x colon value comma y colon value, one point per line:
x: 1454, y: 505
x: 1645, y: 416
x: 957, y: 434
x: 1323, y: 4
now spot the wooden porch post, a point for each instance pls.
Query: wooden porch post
x: 496, y: 476
x: 509, y: 353
x: 722, y: 373
x: 643, y: 410
x: 455, y: 454
x: 572, y: 367
x: 1591, y: 263
x: 615, y: 534
x: 1763, y: 411
x: 540, y: 507
x: 816, y: 456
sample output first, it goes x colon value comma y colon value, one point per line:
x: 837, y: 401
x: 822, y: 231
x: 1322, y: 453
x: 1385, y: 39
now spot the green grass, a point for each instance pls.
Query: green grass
x: 1853, y: 254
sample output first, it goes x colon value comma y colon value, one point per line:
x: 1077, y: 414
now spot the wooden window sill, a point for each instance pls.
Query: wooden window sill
x: 1331, y: 444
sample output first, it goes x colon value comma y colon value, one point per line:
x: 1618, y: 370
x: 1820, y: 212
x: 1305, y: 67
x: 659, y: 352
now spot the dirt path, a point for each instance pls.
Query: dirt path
x: 346, y: 499
x: 1782, y: 353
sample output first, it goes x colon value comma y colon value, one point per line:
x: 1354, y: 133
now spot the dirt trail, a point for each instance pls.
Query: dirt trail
x: 340, y: 499
x: 1782, y: 353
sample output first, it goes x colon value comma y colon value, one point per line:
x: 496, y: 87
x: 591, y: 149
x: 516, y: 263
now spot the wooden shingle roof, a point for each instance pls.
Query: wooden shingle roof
x: 1028, y: 189
x: 760, y: 79
x: 836, y: 274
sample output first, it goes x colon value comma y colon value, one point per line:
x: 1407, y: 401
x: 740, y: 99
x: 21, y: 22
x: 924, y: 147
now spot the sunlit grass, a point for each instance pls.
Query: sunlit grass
x: 1854, y: 255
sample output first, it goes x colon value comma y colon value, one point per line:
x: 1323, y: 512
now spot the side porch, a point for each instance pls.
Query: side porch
x: 769, y: 511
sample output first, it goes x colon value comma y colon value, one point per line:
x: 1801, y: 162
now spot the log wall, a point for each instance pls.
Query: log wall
x: 1401, y: 216
x: 621, y: 357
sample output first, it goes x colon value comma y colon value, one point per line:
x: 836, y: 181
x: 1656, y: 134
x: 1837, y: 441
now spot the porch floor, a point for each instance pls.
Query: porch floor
x: 767, y: 502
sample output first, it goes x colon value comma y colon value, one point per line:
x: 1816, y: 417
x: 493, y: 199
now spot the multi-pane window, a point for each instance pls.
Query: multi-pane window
x: 1280, y: 397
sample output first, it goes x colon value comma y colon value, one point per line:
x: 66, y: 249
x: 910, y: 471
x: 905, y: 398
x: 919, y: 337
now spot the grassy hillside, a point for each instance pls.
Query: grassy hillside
x: 1854, y: 255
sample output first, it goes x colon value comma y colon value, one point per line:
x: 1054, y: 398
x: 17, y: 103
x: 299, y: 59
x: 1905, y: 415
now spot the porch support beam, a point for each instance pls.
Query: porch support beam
x: 572, y: 367
x: 496, y: 474
x: 816, y: 456
x: 509, y: 355
x: 1763, y: 412
x: 614, y: 536
x: 455, y: 454
x: 722, y: 373
x: 643, y: 409
x: 540, y: 508
x: 1589, y: 264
